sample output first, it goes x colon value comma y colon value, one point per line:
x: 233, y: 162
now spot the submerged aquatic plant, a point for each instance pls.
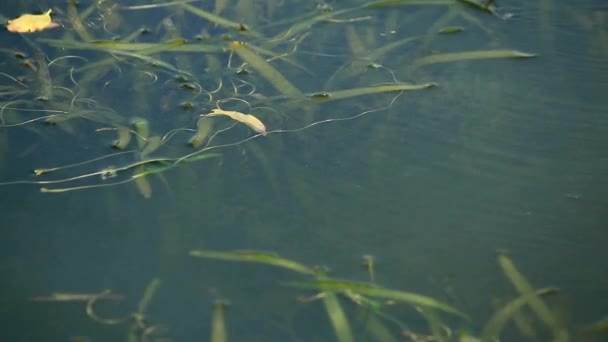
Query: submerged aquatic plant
x: 276, y: 72
x: 372, y: 314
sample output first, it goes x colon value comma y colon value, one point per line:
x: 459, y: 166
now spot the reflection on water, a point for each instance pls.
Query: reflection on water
x: 502, y: 154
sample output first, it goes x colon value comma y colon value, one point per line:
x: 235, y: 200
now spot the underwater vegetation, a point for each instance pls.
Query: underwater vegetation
x: 200, y: 78
x: 363, y: 311
x: 132, y: 93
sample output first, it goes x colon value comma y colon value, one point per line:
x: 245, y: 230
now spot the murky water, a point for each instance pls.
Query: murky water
x: 503, y: 154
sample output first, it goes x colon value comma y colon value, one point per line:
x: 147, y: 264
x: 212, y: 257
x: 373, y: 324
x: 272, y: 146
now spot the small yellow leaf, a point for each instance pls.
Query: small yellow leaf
x: 248, y: 119
x: 31, y: 23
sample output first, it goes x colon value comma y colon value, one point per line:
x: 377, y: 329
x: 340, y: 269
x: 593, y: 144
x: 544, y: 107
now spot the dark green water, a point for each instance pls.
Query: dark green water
x: 503, y: 154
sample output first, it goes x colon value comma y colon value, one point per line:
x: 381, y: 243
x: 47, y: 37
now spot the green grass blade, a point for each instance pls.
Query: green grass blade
x: 381, y: 88
x: 175, y: 45
x: 378, y: 292
x: 306, y: 23
x: 599, y: 327
x: 216, y: 19
x: 203, y: 129
x: 337, y: 317
x: 267, y: 71
x: 143, y: 48
x: 390, y: 3
x: 537, y: 305
x: 218, y: 324
x: 151, y: 171
x: 255, y: 257
x: 376, y: 54
x: 150, y: 60
x: 376, y: 328
x: 478, y: 5
x: 77, y: 24
x: 438, y: 329
x: 451, y: 29
x: 149, y: 294
x: 471, y: 55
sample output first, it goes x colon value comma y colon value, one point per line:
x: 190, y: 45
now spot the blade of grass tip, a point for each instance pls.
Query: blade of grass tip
x: 471, y: 55
x: 142, y: 128
x: 267, y: 71
x: 255, y: 257
x: 451, y: 29
x: 478, y: 5
x: 148, y: 295
x: 494, y: 326
x: 523, y: 287
x: 382, y: 88
x: 204, y: 127
x: 369, y: 263
x: 124, y: 138
x: 414, y: 299
x: 218, y: 324
x: 337, y: 317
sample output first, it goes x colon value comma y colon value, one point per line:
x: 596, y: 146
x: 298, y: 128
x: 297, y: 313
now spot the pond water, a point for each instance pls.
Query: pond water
x: 379, y: 139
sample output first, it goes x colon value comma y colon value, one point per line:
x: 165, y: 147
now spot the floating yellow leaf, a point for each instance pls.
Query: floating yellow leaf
x: 248, y: 119
x: 31, y: 23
